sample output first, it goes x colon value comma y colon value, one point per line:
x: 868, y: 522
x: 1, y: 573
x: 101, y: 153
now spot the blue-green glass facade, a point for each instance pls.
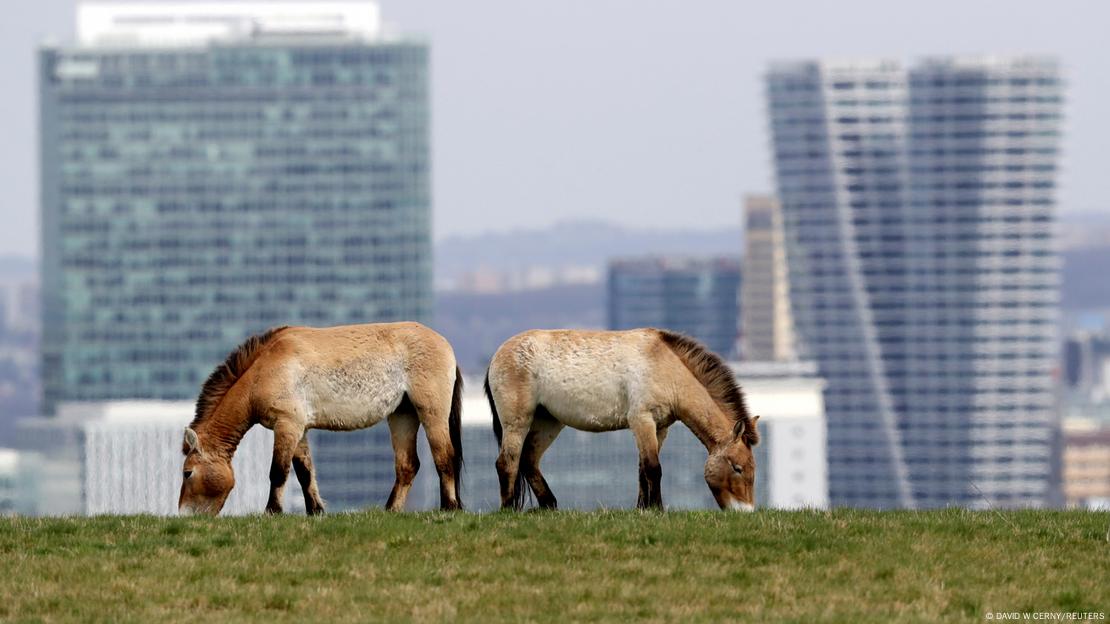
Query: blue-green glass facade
x: 193, y: 196
x: 698, y: 297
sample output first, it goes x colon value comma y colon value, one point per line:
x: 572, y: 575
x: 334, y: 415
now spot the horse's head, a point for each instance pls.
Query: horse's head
x: 206, y: 479
x: 730, y: 471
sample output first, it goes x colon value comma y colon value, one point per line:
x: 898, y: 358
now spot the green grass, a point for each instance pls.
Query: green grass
x: 609, y: 566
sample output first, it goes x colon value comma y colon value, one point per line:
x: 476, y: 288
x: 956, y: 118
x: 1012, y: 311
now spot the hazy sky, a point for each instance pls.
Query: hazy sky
x: 636, y: 111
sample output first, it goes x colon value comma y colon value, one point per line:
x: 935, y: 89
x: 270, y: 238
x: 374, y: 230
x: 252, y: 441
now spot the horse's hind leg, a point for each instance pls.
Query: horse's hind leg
x: 515, y: 417
x: 306, y: 475
x: 651, y: 474
x: 402, y: 431
x: 443, y: 454
x: 433, y: 415
x: 544, y: 431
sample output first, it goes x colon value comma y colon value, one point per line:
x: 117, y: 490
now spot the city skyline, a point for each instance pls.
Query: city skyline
x: 523, y: 130
x: 196, y: 194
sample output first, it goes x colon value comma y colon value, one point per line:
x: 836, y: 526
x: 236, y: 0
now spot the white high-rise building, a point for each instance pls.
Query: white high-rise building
x: 918, y: 210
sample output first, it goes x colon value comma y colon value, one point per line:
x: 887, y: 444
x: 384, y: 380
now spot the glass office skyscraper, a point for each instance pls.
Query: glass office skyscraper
x: 918, y: 211
x: 211, y: 170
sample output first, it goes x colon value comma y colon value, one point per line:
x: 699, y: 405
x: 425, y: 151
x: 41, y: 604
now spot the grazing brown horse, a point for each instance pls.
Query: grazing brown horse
x: 291, y: 379
x: 643, y: 380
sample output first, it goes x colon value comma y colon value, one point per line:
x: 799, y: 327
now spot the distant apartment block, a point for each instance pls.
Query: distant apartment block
x: 210, y: 170
x: 918, y: 209
x: 766, y: 324
x: 1086, y: 465
x: 697, y: 297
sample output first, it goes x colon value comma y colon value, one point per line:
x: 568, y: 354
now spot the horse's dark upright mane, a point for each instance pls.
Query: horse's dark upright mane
x: 709, y: 369
x: 224, y: 377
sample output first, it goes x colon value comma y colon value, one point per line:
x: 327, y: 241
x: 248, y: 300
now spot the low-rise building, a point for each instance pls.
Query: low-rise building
x: 17, y: 482
x: 1087, y: 463
x: 791, y: 456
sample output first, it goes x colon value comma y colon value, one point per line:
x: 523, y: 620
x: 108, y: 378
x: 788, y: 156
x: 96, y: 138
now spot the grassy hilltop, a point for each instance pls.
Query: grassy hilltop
x: 557, y: 567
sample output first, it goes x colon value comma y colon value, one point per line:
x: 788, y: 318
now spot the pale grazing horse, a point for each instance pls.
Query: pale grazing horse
x: 643, y: 379
x: 292, y: 379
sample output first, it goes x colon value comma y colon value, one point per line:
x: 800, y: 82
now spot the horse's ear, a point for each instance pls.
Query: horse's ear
x: 738, y: 429
x: 192, y: 442
x: 753, y: 436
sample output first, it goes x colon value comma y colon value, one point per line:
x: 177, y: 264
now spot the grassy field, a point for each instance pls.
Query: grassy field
x: 557, y: 567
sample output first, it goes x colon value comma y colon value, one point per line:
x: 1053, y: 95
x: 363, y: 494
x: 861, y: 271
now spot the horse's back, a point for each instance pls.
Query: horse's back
x: 354, y: 376
x: 352, y: 340
x: 590, y: 380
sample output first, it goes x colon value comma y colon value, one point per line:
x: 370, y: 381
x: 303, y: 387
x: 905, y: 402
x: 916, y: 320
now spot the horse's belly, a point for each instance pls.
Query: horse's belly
x: 346, y: 416
x: 356, y: 404
x: 592, y: 407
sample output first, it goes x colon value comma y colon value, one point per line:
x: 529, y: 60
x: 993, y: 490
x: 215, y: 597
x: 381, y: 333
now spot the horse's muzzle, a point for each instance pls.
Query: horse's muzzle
x: 739, y: 506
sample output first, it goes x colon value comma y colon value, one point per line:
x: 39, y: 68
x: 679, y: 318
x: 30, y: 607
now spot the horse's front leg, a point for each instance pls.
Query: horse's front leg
x: 306, y: 475
x: 651, y: 473
x: 287, y: 436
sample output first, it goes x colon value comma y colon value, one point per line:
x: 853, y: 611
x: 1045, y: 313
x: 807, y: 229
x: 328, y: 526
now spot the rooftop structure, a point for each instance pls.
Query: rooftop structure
x: 149, y: 24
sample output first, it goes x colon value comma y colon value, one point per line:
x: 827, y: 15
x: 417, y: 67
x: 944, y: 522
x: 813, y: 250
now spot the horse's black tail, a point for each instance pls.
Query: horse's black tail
x: 493, y: 410
x: 522, y: 487
x: 454, y: 423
